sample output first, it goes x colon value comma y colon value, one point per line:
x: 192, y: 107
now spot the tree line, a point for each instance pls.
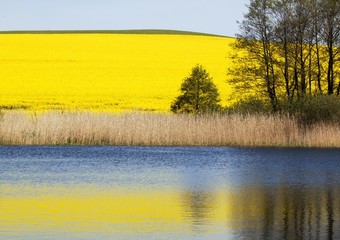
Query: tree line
x: 287, y: 49
x: 286, y: 58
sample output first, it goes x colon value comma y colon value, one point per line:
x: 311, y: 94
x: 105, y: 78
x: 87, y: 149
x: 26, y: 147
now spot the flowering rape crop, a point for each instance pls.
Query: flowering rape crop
x: 105, y: 72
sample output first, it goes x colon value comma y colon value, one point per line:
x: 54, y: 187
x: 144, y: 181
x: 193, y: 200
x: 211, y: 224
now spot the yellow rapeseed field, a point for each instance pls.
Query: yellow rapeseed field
x: 104, y: 72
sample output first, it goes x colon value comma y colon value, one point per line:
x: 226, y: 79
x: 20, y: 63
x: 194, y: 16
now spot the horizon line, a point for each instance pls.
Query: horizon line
x: 105, y: 31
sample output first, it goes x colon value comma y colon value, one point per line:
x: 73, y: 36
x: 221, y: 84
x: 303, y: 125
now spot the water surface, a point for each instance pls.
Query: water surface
x: 169, y: 193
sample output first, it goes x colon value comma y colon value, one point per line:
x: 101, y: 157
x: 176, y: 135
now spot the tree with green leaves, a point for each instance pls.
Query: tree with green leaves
x: 198, y: 94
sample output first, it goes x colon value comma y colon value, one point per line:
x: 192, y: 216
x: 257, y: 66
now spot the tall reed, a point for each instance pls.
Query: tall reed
x: 53, y: 128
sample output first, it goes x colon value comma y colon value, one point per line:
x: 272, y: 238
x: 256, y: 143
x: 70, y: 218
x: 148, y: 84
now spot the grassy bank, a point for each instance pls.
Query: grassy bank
x: 18, y: 128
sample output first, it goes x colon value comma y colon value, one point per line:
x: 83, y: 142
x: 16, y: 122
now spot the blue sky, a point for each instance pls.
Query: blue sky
x: 209, y: 16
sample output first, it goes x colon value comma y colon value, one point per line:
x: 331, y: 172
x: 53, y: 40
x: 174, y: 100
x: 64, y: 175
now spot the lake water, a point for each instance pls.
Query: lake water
x: 169, y: 193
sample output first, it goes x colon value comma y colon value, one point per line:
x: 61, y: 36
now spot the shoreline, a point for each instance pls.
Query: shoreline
x: 172, y: 146
x: 162, y: 130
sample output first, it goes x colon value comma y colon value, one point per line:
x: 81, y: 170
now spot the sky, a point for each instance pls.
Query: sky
x: 208, y: 16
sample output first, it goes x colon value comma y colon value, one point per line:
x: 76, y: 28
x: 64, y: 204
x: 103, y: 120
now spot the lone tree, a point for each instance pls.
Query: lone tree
x: 199, y: 94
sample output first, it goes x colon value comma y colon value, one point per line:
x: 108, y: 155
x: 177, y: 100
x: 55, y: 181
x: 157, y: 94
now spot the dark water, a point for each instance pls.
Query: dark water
x: 169, y: 193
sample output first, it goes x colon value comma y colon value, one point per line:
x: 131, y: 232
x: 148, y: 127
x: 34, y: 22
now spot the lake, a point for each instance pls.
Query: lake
x: 169, y: 193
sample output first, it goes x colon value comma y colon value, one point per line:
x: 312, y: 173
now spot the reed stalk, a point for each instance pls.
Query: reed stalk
x: 138, y: 129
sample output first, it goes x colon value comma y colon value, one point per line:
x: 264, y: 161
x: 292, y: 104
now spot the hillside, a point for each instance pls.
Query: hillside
x: 105, y: 72
x: 132, y: 31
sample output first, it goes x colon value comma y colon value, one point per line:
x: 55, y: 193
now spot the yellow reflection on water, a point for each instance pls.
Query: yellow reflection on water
x: 106, y: 210
x: 283, y: 211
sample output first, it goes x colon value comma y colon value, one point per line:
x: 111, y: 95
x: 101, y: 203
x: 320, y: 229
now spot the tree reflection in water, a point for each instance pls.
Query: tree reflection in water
x: 284, y: 212
x: 288, y: 212
x: 199, y: 206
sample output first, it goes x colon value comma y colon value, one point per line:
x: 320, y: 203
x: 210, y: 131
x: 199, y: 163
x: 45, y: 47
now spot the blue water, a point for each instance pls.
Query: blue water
x: 267, y: 193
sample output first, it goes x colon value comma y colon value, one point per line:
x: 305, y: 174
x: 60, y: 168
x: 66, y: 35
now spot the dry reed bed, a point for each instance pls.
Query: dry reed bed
x: 18, y: 128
